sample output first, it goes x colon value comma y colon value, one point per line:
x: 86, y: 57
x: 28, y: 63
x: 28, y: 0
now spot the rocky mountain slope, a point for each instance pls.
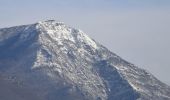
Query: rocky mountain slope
x: 52, y: 61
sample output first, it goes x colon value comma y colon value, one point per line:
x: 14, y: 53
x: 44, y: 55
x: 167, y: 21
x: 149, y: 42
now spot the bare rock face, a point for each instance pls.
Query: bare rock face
x: 52, y: 61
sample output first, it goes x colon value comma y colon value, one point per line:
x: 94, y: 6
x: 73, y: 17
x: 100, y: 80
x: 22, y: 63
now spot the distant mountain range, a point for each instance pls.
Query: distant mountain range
x: 52, y: 61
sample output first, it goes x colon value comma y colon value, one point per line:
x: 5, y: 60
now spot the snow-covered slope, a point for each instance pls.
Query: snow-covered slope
x: 52, y: 61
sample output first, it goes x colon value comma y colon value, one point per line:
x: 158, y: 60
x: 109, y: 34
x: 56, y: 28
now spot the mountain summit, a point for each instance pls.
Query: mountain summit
x: 52, y: 61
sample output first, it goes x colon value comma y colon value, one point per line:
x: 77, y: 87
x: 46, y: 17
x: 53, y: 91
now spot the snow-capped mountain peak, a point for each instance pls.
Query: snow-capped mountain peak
x: 53, y: 61
x: 59, y: 31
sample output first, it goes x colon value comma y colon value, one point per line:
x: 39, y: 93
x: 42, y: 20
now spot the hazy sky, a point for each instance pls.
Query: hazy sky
x: 136, y: 30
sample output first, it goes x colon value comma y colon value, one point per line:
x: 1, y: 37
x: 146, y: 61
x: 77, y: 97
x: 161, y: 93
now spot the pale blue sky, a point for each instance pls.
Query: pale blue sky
x: 137, y: 30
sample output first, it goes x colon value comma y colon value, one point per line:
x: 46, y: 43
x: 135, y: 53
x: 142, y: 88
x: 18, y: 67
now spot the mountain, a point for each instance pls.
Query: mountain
x: 52, y: 61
